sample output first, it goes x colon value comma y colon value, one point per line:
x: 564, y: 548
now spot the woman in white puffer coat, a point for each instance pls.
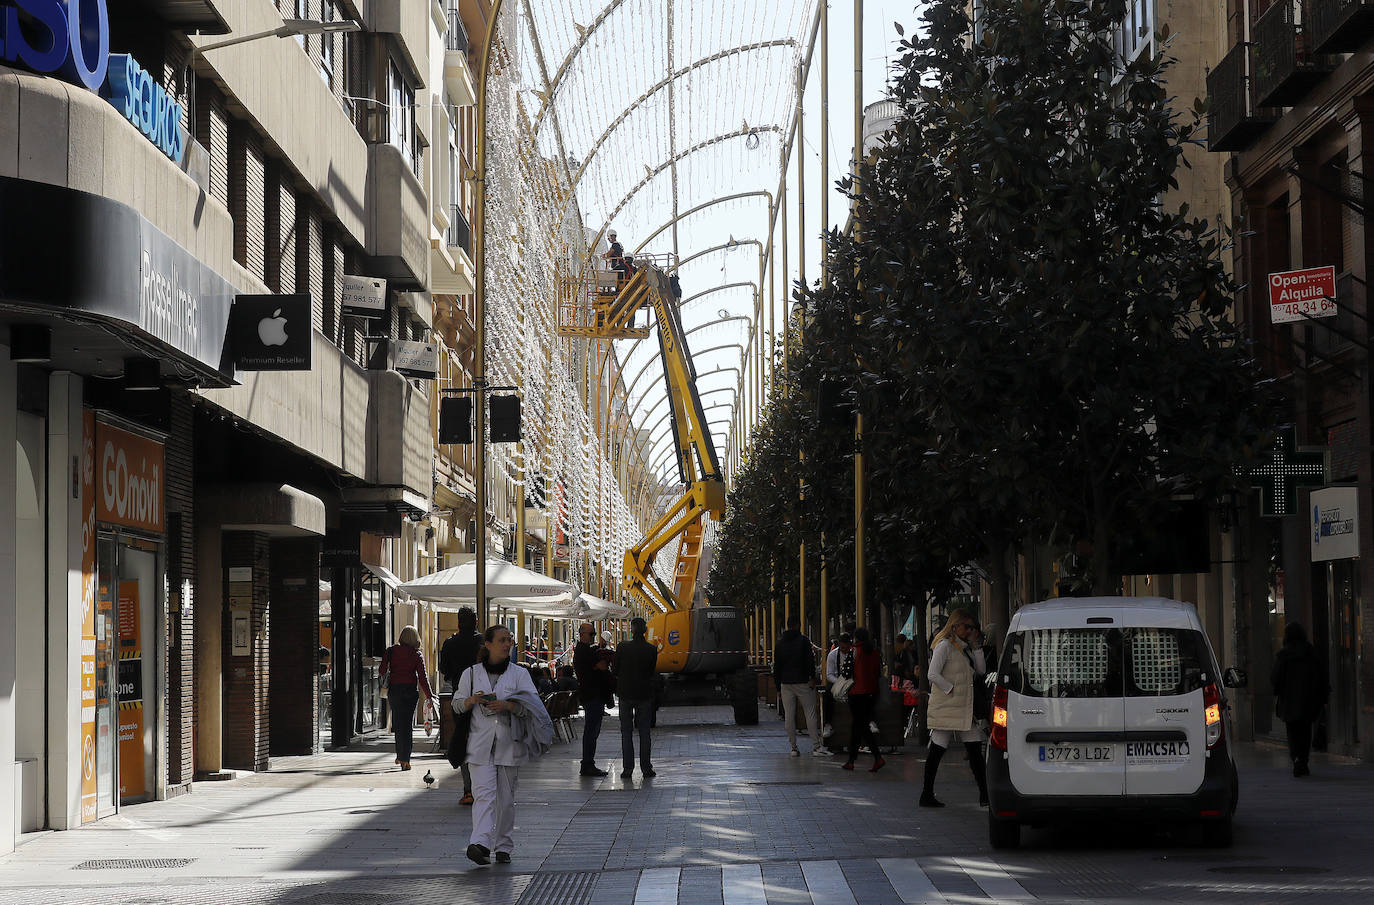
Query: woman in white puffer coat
x: 955, y: 664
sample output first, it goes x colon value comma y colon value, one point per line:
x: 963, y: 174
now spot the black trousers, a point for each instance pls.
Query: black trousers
x: 860, y: 714
x: 1299, y: 740
x: 402, y: 700
x: 636, y: 716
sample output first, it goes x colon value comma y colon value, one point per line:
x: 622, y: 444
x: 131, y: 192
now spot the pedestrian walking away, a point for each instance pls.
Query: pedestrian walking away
x: 794, y: 674
x: 460, y: 651
x: 509, y: 727
x: 863, y: 694
x: 955, y: 664
x: 404, y: 668
x: 593, y: 691
x: 1300, y: 691
x: 634, y: 667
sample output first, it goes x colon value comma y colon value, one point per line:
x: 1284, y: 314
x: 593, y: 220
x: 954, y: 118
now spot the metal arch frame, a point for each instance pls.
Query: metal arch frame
x: 727, y: 246
x: 649, y: 412
x: 721, y: 288
x: 737, y: 196
x: 683, y: 155
x: 651, y: 359
x: 659, y: 86
x: 662, y: 456
x: 656, y: 438
x: 645, y: 367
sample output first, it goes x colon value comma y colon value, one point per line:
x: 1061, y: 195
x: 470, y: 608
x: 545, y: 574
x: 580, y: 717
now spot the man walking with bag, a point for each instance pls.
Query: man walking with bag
x: 460, y: 651
x: 794, y: 673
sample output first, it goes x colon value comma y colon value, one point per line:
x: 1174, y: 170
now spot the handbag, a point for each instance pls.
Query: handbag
x: 840, y: 690
x: 458, y: 742
x: 982, y: 698
x: 384, y: 680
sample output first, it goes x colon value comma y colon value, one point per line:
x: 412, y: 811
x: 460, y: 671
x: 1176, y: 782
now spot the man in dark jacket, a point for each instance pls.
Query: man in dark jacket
x: 1300, y: 692
x: 593, y: 690
x: 635, y: 667
x: 794, y: 674
x: 460, y: 650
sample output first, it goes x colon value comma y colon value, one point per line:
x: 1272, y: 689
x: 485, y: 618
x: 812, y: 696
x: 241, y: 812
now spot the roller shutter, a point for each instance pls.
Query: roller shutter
x: 310, y: 263
x: 286, y: 234
x: 255, y: 210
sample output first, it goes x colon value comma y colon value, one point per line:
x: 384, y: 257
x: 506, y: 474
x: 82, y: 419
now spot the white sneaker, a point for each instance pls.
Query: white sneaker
x: 819, y: 752
x: 825, y: 733
x: 795, y: 753
x: 873, y: 727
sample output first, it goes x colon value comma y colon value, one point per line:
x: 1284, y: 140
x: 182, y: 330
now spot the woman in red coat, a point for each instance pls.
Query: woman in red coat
x: 404, y: 667
x: 868, y: 666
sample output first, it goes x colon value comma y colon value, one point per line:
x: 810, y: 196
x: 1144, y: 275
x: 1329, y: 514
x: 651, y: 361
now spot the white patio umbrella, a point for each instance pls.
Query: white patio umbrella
x: 503, y: 579
x: 597, y: 608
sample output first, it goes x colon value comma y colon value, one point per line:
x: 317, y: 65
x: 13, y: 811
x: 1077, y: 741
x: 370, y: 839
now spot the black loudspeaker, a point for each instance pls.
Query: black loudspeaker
x: 455, y: 419
x: 505, y: 419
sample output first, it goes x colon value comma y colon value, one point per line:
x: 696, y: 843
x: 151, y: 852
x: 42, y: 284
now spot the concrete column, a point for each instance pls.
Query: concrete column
x: 293, y: 645
x: 209, y: 640
x: 64, y: 601
x: 9, y: 622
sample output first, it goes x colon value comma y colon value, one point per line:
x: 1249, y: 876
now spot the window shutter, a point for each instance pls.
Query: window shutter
x: 255, y: 197
x: 310, y: 263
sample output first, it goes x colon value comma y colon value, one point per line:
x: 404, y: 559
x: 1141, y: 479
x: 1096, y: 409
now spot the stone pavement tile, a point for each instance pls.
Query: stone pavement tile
x: 615, y: 887
x: 784, y: 884
x: 700, y: 886
x: 868, y: 882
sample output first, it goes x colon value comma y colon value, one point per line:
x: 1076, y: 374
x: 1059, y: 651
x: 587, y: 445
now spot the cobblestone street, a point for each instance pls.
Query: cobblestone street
x: 729, y: 820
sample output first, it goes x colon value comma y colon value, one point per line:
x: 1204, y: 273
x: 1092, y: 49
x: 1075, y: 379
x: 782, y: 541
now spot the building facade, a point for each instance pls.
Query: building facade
x: 202, y: 552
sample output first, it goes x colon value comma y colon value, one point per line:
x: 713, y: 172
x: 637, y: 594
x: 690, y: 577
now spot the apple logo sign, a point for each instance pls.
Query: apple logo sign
x: 272, y: 330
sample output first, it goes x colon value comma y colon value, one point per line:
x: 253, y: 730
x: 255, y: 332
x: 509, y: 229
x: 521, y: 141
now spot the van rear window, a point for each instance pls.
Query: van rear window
x: 1105, y: 662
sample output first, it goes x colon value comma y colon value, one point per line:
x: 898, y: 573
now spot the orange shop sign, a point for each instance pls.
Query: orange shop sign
x: 129, y: 468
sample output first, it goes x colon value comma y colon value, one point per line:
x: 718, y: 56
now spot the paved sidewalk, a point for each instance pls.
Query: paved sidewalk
x: 729, y: 820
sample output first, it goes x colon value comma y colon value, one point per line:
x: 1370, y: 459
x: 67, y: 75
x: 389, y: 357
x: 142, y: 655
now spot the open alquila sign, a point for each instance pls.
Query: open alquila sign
x: 1299, y: 294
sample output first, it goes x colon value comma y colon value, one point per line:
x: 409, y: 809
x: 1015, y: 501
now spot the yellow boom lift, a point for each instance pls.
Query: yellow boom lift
x: 701, y: 648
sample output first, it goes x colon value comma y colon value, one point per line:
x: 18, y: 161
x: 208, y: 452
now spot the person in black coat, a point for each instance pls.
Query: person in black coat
x: 1300, y: 692
x: 636, y: 667
x: 459, y: 651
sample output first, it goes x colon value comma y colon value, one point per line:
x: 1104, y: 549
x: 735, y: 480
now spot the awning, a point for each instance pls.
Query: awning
x: 386, y: 577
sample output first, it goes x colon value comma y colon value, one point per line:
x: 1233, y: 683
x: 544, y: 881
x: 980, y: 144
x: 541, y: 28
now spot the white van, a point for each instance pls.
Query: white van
x: 1110, y: 707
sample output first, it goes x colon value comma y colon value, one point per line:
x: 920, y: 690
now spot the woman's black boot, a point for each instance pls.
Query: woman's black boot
x: 979, y: 768
x: 933, y: 755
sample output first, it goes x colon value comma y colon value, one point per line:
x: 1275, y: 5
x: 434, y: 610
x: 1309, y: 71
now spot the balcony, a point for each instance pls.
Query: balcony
x: 1233, y: 123
x: 453, y: 272
x: 457, y: 74
x: 1285, y: 68
x: 1340, y: 26
x: 397, y: 219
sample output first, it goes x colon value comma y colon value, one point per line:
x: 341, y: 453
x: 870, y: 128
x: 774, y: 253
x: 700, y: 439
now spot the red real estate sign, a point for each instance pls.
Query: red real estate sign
x: 1295, y: 293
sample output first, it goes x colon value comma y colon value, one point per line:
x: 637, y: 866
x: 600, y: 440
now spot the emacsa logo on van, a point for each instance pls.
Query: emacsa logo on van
x: 674, y: 637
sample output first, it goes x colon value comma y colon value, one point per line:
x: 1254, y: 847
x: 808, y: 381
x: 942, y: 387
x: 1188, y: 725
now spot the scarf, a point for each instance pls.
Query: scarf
x: 496, y: 669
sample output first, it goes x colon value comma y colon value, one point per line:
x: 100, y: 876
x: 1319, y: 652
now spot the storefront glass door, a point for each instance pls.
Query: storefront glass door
x: 105, y: 755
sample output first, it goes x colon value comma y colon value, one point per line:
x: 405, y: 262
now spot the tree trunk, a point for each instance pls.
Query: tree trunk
x: 998, y: 609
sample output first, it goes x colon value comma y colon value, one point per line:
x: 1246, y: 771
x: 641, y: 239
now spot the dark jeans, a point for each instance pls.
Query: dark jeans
x: 1299, y: 740
x: 593, y: 711
x: 635, y: 715
x: 860, y: 713
x: 402, y: 700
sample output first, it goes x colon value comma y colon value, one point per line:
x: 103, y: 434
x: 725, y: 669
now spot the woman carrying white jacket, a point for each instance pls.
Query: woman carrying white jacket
x: 509, y: 726
x: 955, y: 664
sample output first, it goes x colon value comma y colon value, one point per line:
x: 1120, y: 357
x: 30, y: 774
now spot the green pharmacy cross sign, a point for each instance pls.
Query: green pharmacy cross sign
x: 1283, y: 469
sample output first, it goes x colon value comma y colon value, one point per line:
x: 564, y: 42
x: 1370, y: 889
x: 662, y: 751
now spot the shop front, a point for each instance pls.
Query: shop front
x: 122, y: 655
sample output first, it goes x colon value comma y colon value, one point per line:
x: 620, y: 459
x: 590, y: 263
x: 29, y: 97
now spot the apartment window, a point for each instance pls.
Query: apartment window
x: 327, y: 14
x: 303, y: 12
x: 1137, y: 28
x: 401, y: 113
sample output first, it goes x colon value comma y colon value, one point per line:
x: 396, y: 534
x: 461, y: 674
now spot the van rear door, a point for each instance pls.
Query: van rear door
x: 1065, y: 710
x: 1167, y: 670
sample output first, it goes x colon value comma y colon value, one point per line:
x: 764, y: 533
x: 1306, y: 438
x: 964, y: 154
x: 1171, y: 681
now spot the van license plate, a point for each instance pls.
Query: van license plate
x: 1077, y: 754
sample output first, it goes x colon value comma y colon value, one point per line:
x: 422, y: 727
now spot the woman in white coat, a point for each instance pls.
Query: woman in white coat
x: 509, y: 726
x: 955, y: 664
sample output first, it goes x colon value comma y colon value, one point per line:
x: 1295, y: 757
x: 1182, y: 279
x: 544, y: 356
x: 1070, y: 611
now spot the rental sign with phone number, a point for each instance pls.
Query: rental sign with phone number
x: 1298, y: 294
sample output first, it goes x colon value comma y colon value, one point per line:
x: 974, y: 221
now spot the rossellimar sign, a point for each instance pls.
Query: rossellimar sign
x: 71, y: 38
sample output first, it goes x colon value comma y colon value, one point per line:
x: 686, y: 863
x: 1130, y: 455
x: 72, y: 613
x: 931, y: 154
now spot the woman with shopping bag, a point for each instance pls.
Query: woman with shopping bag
x: 403, y: 677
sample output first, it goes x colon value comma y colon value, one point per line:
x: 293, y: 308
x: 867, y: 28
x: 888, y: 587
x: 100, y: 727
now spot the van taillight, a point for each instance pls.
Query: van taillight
x: 1211, y: 704
x: 998, y: 737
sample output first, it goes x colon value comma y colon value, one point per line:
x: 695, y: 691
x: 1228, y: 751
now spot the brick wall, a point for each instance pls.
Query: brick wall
x: 294, y: 645
x: 246, y: 678
x: 181, y: 570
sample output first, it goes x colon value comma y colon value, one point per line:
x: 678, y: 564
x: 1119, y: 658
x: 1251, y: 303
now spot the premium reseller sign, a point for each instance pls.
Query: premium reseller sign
x: 1295, y: 293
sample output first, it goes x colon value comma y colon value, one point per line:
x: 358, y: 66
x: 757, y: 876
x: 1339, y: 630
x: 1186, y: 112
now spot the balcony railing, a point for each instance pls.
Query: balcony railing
x: 1233, y: 123
x: 1285, y: 67
x: 457, y: 38
x: 459, y: 233
x: 1340, y: 26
